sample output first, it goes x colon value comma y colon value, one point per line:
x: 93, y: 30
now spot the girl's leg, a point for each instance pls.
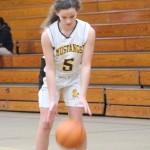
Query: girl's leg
x: 42, y: 139
x: 76, y: 114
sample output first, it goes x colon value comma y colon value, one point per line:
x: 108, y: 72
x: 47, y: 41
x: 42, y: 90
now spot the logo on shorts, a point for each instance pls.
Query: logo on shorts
x: 75, y: 93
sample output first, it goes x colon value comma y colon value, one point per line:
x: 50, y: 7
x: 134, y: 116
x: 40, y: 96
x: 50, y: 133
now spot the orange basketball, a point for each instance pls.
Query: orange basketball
x: 70, y: 134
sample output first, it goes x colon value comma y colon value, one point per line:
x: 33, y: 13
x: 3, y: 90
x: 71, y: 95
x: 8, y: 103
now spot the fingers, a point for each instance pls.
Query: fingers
x: 88, y: 110
x: 52, y: 112
x: 56, y: 113
x: 50, y: 119
x: 51, y: 116
x: 86, y: 106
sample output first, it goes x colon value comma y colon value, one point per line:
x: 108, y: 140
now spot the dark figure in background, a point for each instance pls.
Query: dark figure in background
x: 6, y: 43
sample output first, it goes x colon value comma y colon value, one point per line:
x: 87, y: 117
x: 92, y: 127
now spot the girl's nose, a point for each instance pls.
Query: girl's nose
x: 68, y: 21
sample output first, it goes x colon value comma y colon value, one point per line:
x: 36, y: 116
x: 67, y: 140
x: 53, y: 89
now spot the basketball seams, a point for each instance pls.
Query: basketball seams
x: 70, y: 134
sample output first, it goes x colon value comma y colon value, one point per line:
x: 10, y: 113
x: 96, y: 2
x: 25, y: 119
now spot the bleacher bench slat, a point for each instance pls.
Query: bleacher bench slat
x: 102, y: 31
x: 134, y: 97
x: 128, y: 111
x: 103, y: 5
x: 145, y: 77
x: 128, y: 44
x: 115, y: 76
x: 92, y: 18
x: 23, y: 106
x: 29, y: 93
x: 118, y: 60
x: 123, y: 4
x: 41, y: 10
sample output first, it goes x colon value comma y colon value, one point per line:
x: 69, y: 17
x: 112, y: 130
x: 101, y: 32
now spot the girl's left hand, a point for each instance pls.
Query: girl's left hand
x: 83, y: 101
x: 52, y: 112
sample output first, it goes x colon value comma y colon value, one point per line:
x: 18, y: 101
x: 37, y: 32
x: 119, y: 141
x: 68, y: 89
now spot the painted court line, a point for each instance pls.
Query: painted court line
x: 2, y: 148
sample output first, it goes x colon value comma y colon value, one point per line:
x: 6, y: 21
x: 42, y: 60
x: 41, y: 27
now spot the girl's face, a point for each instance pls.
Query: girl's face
x: 67, y: 16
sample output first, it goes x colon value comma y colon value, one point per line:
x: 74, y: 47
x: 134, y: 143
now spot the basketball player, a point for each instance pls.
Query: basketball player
x: 67, y: 44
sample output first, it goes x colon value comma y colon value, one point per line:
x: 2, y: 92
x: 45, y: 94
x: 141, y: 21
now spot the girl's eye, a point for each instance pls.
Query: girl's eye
x: 69, y: 17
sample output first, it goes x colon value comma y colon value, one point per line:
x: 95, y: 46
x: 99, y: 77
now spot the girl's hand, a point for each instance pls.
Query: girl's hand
x: 52, y: 112
x: 83, y: 101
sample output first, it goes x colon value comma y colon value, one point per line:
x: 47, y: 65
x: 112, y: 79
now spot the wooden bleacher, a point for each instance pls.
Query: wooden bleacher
x: 28, y: 102
x: 113, y: 44
x: 128, y: 103
x: 103, y: 60
x: 119, y: 83
x: 134, y: 29
x: 108, y: 17
x: 98, y: 76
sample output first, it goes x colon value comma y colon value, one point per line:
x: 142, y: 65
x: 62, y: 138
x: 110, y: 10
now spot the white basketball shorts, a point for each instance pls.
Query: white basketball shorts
x: 70, y: 87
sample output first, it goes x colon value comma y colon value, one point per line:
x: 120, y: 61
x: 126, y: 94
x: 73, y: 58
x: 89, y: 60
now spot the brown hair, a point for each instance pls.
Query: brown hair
x: 57, y: 6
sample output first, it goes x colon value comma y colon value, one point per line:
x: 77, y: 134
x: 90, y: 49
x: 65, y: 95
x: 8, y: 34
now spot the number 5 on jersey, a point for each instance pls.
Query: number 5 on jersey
x: 67, y: 65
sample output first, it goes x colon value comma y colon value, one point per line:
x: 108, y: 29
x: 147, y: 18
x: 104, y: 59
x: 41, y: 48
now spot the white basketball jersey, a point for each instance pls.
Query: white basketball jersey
x: 68, y: 50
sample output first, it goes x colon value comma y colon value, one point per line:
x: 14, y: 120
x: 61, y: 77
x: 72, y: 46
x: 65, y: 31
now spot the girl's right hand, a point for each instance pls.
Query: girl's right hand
x: 52, y: 112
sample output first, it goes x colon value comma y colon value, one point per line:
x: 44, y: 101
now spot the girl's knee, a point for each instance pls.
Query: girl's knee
x: 76, y: 113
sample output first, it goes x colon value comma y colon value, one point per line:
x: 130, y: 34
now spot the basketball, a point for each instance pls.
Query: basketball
x: 70, y: 134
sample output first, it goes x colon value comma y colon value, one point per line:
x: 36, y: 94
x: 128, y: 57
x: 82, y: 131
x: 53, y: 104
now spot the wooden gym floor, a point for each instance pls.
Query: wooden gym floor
x: 18, y: 131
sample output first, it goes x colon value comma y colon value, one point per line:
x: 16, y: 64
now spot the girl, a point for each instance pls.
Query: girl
x: 67, y: 44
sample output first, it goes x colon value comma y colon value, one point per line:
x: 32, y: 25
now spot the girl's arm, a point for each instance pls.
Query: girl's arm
x: 86, y: 68
x: 50, y: 74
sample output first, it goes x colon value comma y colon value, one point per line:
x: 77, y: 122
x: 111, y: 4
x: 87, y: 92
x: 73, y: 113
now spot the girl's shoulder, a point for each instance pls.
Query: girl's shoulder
x: 82, y: 22
x: 53, y: 25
